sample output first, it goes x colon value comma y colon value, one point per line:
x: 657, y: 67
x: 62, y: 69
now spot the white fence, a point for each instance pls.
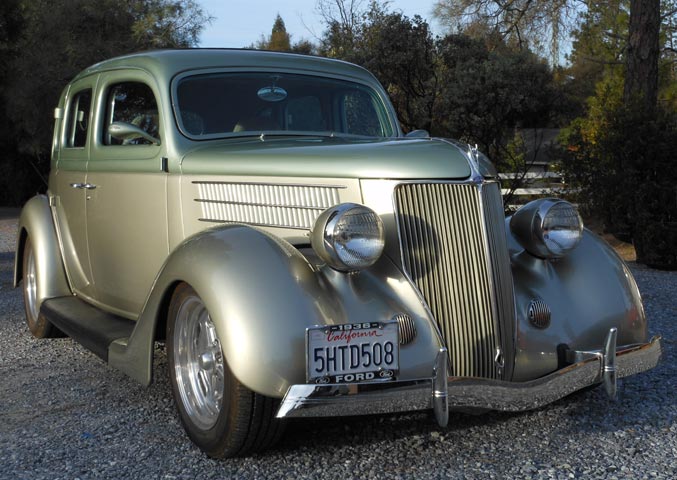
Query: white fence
x: 537, y: 184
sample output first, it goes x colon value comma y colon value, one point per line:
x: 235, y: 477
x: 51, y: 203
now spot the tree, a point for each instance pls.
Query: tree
x: 401, y: 53
x: 453, y: 87
x: 641, y: 65
x: 344, y: 20
x: 17, y: 177
x: 485, y: 95
x: 520, y: 23
x: 280, y: 41
x: 619, y: 155
x: 59, y: 38
x: 279, y: 38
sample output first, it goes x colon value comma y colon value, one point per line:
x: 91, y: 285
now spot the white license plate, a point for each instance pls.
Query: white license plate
x: 353, y: 352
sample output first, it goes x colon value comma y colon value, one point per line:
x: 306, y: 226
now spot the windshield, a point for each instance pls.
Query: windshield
x: 234, y: 104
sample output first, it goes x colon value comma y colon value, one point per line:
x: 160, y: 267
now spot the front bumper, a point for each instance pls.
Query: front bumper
x: 441, y: 392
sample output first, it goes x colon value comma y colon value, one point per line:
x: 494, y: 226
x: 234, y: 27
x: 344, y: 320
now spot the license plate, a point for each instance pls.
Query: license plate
x: 353, y: 352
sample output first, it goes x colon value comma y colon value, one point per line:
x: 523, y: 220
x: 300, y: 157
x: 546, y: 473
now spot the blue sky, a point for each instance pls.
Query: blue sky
x: 239, y: 23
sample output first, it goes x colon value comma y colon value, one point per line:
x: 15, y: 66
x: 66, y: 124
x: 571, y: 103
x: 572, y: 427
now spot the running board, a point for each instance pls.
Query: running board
x: 93, y: 328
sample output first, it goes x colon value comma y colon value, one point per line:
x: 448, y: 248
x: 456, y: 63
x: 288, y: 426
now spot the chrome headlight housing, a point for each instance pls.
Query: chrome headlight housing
x: 547, y: 228
x: 348, y: 237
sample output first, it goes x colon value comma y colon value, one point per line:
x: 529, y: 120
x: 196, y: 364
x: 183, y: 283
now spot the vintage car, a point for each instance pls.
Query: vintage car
x: 264, y: 216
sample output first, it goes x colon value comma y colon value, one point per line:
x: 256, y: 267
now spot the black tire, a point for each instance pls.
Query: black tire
x: 37, y: 323
x: 242, y: 421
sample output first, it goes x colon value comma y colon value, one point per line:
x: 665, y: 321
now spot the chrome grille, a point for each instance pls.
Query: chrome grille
x: 454, y: 249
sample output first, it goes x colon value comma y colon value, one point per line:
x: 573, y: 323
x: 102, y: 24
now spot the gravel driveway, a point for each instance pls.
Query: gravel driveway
x: 66, y: 414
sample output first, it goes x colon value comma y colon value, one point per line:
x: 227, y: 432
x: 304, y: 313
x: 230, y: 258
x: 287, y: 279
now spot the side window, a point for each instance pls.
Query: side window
x: 77, y: 123
x: 361, y: 116
x: 133, y: 103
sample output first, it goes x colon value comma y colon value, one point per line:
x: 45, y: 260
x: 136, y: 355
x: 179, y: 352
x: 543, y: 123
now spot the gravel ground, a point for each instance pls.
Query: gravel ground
x: 66, y: 414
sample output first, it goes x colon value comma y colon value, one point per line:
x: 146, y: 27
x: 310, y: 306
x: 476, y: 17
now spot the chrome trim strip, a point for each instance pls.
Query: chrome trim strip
x: 462, y: 392
x: 268, y: 184
x: 234, y: 222
x: 255, y: 204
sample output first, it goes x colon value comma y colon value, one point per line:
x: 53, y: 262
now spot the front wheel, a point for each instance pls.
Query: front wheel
x: 38, y: 324
x: 221, y: 416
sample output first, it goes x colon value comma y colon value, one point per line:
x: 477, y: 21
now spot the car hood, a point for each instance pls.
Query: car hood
x: 329, y: 157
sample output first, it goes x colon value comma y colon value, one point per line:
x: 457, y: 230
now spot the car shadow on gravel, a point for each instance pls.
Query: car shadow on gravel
x: 336, y: 432
x: 586, y: 411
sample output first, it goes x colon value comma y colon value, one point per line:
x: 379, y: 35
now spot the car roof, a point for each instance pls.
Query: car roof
x: 167, y: 63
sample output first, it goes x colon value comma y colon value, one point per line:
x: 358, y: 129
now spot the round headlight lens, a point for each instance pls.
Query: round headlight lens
x: 561, y: 229
x: 547, y: 228
x: 348, y: 237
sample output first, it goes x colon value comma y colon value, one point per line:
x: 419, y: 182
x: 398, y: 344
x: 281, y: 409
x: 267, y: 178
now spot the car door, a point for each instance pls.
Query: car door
x: 127, y: 205
x: 69, y: 182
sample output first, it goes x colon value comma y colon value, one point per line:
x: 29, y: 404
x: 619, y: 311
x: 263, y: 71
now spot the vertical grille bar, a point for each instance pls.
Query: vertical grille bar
x: 454, y: 249
x: 502, y: 274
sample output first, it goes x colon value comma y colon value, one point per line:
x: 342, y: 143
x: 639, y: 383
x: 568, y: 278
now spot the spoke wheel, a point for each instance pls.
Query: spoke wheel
x: 220, y: 415
x: 37, y: 323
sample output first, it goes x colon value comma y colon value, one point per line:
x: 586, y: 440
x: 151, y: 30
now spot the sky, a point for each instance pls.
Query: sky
x: 240, y: 23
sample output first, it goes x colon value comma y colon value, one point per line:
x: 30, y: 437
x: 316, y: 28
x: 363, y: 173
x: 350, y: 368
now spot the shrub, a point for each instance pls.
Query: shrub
x: 620, y: 162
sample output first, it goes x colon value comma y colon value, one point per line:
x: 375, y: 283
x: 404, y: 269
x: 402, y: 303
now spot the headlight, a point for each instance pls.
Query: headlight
x: 547, y: 228
x: 348, y: 237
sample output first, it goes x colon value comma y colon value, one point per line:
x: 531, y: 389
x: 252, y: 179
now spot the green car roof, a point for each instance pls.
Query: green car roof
x: 167, y: 63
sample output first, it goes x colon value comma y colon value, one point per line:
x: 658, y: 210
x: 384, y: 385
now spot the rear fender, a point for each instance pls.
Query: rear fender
x: 36, y: 222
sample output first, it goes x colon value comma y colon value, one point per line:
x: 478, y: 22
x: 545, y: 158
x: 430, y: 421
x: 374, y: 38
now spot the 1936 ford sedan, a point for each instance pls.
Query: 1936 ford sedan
x: 265, y: 217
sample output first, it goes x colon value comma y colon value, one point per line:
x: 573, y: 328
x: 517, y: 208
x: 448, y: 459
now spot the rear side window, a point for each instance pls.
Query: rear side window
x: 361, y: 114
x: 77, y: 124
x: 133, y: 103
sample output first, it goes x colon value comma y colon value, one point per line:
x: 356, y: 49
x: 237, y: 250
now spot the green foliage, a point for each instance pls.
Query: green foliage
x: 280, y: 41
x: 617, y: 156
x: 279, y: 38
x: 521, y: 24
x: 47, y: 42
x: 455, y: 86
x: 620, y: 159
x: 484, y: 95
x: 401, y: 53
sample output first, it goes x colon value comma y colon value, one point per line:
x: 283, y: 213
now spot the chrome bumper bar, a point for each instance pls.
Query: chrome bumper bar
x: 441, y: 392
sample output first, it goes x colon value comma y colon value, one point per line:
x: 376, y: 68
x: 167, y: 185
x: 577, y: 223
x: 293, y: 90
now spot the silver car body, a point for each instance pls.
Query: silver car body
x: 121, y: 226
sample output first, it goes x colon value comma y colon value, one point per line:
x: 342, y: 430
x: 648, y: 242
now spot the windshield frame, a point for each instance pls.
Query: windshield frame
x: 390, y: 118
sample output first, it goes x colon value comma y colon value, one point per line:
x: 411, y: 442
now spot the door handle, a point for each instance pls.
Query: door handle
x: 86, y: 186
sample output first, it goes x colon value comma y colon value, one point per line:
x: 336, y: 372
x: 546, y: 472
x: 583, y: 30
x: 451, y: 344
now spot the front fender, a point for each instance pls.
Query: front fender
x: 262, y: 294
x: 589, y: 291
x: 36, y: 222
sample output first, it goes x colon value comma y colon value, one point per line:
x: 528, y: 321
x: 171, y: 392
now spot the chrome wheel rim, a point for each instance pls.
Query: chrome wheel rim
x: 198, y: 363
x: 31, y: 287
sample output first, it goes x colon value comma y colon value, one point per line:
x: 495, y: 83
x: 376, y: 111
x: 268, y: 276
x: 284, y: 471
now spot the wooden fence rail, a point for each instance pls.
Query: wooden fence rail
x: 536, y: 184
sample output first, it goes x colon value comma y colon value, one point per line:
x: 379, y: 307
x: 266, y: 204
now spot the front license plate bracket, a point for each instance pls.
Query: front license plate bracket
x: 352, y: 353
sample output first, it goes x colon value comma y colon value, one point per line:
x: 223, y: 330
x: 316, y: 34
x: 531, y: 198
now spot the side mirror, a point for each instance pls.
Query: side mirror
x: 418, y: 134
x: 127, y: 131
